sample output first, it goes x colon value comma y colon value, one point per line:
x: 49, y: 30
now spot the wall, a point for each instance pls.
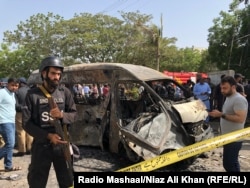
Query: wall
x: 215, y: 75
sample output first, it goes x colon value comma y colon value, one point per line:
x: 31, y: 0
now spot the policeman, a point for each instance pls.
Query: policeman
x: 37, y: 117
x: 24, y: 140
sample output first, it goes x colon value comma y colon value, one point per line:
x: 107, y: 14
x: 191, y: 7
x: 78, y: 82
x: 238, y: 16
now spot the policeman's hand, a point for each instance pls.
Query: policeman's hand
x: 56, y: 113
x: 55, y: 139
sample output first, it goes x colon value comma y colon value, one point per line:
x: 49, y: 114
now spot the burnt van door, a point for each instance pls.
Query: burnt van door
x: 143, y: 121
x: 91, y: 115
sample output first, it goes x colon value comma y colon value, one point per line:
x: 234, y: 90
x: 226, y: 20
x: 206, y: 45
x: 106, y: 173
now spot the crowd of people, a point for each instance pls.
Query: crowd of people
x: 25, y: 113
x: 232, y: 116
x: 22, y: 140
x: 228, y: 102
x: 211, y: 94
x: 89, y: 92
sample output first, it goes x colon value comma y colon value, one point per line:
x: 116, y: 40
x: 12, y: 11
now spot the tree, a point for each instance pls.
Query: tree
x: 91, y: 38
x: 184, y: 59
x: 228, y: 39
x: 88, y: 38
x: 38, y: 36
x: 15, y: 63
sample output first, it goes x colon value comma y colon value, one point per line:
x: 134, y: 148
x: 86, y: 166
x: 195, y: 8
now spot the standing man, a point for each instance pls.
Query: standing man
x: 232, y: 118
x: 219, y: 98
x: 247, y: 91
x: 37, y: 118
x: 105, y: 90
x: 202, y: 91
x: 211, y: 98
x: 24, y: 140
x: 7, y: 123
x: 240, y: 88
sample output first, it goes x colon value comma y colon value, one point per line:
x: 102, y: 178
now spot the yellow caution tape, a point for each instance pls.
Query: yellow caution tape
x: 186, y: 152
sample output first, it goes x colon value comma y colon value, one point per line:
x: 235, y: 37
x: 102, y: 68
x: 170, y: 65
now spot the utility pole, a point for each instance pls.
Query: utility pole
x: 158, y: 45
x: 230, y: 53
x: 156, y: 35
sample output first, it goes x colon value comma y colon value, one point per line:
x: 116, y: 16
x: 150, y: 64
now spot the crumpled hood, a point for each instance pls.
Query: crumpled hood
x: 191, y: 112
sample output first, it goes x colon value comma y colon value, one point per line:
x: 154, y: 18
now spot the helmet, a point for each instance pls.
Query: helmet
x: 50, y: 61
x: 22, y: 80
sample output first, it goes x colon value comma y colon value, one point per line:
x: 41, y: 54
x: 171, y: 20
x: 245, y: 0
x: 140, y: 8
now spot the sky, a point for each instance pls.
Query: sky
x: 187, y: 20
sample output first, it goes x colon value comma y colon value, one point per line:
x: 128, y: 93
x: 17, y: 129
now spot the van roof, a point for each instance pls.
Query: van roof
x: 137, y: 71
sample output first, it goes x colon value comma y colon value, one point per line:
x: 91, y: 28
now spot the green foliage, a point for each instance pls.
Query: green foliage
x: 88, y: 38
x: 10, y: 66
x: 229, y: 39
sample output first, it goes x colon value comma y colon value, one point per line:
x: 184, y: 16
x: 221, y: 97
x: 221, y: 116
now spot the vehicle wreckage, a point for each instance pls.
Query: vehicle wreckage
x: 144, y: 114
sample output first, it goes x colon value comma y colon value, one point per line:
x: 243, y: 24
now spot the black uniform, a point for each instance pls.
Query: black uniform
x: 36, y: 123
x: 20, y: 97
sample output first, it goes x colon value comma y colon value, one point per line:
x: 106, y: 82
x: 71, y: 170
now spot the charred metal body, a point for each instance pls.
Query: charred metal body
x: 144, y: 114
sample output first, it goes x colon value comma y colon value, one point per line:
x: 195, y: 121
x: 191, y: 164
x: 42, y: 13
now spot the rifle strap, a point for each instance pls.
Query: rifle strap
x: 46, y: 93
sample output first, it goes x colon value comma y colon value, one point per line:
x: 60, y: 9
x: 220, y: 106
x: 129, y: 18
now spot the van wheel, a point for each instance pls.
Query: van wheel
x: 124, y: 150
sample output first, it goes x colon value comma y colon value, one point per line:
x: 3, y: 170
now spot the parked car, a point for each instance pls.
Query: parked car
x: 144, y: 113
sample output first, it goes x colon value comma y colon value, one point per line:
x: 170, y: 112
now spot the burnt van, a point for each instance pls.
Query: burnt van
x: 131, y: 110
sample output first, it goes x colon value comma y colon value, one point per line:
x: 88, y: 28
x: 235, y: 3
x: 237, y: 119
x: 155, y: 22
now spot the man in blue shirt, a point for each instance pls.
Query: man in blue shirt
x: 7, y: 122
x: 202, y: 91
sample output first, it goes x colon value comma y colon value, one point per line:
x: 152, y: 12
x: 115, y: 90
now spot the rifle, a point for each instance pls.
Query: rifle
x: 62, y: 132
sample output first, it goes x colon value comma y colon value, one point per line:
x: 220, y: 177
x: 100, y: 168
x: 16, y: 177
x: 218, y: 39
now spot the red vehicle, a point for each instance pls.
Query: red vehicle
x: 182, y: 77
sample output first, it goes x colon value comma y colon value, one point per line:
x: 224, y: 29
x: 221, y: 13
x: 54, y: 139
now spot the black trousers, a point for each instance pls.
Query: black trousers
x: 42, y: 156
